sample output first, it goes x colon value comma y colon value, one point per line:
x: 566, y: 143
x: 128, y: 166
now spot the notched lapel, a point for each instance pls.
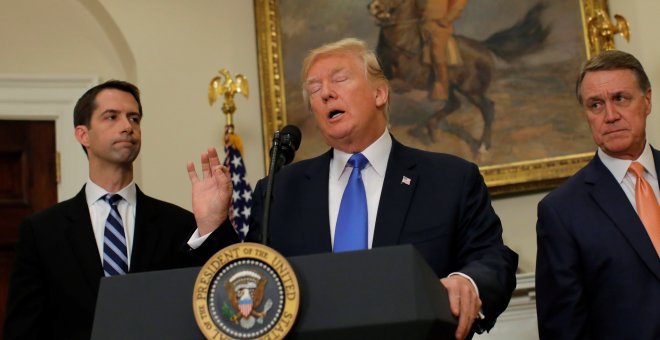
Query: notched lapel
x: 146, y: 237
x: 610, y: 197
x: 317, y: 230
x: 398, y: 189
x: 83, y: 243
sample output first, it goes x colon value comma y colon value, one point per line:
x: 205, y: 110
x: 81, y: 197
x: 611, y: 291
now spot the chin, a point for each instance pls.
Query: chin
x: 620, y: 150
x: 127, y: 157
x: 337, y: 134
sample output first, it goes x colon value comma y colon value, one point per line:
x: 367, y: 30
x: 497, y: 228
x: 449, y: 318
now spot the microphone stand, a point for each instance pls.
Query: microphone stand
x: 274, y: 155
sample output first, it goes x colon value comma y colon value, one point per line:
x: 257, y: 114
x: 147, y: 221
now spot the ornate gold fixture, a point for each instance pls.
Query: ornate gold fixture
x: 600, y: 28
x: 223, y: 84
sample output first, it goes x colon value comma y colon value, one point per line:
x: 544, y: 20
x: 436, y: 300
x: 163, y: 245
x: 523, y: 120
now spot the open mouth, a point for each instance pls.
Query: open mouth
x: 335, y: 114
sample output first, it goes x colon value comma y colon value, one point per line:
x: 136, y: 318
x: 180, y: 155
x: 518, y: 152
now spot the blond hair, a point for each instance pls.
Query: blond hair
x: 351, y: 46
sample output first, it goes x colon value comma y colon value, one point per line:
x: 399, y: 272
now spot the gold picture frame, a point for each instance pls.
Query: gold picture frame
x: 512, y: 177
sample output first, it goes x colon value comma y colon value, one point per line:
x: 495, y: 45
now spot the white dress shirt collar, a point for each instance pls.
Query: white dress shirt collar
x: 377, y: 153
x: 93, y: 192
x: 619, y: 167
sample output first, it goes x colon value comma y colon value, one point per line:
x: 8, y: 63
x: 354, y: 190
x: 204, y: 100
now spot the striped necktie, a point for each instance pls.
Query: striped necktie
x: 351, y: 232
x: 115, y: 258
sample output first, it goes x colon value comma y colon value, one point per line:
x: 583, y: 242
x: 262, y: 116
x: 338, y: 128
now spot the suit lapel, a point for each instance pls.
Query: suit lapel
x: 398, y: 188
x: 146, y: 235
x: 317, y: 229
x: 610, y: 197
x: 80, y: 233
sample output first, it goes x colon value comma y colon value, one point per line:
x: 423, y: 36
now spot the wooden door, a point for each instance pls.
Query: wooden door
x: 28, y: 183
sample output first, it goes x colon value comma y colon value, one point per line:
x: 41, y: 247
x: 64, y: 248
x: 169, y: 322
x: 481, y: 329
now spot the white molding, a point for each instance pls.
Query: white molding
x: 50, y: 97
x: 518, y: 322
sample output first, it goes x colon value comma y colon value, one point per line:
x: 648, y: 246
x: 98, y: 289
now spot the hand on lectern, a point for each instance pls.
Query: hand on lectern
x: 211, y: 195
x: 464, y: 303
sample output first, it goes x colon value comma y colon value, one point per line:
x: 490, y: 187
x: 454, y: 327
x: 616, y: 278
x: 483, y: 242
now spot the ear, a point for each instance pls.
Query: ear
x: 382, y: 94
x: 82, y: 135
x: 647, y: 98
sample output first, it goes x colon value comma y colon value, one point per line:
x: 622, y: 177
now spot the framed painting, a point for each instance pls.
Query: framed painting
x: 522, y: 125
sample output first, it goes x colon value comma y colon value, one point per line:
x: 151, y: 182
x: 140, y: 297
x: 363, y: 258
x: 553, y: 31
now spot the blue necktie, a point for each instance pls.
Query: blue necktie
x: 115, y: 258
x: 351, y: 229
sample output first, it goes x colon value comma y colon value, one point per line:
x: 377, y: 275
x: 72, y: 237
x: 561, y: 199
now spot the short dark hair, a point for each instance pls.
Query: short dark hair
x: 613, y: 60
x: 82, y: 112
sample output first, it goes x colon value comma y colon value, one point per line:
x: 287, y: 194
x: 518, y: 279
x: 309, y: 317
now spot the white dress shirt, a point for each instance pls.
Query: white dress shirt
x: 99, y: 211
x: 627, y: 180
x: 373, y: 176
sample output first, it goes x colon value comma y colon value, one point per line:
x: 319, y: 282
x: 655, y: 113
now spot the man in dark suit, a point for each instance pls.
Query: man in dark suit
x: 436, y: 202
x: 62, y: 252
x: 598, y: 266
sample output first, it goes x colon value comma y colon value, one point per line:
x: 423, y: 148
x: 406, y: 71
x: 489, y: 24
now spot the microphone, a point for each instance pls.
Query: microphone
x: 285, y: 144
x: 288, y: 141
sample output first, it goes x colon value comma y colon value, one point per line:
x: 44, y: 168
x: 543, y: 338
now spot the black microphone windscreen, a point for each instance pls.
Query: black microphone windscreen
x: 294, y: 133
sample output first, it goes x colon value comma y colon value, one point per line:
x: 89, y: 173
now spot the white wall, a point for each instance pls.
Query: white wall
x: 48, y: 49
x: 171, y: 49
x: 644, y: 24
x: 178, y: 47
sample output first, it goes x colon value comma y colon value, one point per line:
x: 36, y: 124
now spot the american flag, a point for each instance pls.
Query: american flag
x: 241, y: 201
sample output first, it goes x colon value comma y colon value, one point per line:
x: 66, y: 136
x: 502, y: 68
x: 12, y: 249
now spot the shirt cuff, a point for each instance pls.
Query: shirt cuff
x: 481, y: 315
x: 196, y: 240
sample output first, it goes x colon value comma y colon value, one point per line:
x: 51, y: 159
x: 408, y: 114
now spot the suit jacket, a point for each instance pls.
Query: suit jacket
x: 445, y: 212
x: 597, y: 273
x: 57, y: 270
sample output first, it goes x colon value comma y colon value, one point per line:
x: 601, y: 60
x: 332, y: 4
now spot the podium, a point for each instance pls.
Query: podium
x: 383, y: 293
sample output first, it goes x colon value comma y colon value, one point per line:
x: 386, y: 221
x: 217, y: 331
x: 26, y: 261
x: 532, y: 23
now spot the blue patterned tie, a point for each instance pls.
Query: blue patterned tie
x: 115, y: 258
x: 351, y: 229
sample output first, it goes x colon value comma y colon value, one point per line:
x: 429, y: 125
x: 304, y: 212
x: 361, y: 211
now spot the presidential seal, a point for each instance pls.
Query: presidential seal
x: 246, y: 291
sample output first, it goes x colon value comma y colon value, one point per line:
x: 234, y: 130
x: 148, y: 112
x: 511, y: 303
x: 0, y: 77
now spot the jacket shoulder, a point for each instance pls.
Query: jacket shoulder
x: 56, y: 211
x: 434, y: 162
x: 162, y: 206
x: 571, y: 188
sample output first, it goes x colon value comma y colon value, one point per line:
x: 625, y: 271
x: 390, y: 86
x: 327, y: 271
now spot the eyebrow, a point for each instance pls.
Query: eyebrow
x: 110, y: 111
x: 613, y: 94
x: 333, y: 72
x: 619, y: 93
x: 594, y: 97
x: 118, y: 111
x: 310, y: 81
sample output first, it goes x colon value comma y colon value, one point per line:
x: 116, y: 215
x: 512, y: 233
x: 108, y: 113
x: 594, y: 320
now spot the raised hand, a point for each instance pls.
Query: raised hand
x: 211, y: 195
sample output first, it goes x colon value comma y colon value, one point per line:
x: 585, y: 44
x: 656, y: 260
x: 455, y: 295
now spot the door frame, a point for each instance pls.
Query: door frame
x: 50, y: 97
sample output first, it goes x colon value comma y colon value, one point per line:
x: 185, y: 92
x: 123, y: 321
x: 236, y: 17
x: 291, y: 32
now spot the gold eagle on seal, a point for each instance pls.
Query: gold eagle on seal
x: 245, y: 291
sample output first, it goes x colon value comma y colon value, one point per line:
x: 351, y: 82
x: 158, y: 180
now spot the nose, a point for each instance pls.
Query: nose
x: 611, y: 113
x: 327, y: 93
x: 126, y: 124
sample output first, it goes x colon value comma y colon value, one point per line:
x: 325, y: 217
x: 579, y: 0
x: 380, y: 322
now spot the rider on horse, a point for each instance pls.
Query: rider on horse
x: 437, y: 19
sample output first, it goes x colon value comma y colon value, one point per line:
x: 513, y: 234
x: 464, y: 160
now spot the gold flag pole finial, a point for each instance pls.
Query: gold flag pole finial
x: 601, y: 29
x: 223, y: 84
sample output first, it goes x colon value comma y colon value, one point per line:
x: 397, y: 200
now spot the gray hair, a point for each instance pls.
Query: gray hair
x: 613, y: 60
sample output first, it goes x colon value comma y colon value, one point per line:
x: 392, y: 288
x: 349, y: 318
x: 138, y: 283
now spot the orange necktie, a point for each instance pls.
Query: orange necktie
x: 647, y: 205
